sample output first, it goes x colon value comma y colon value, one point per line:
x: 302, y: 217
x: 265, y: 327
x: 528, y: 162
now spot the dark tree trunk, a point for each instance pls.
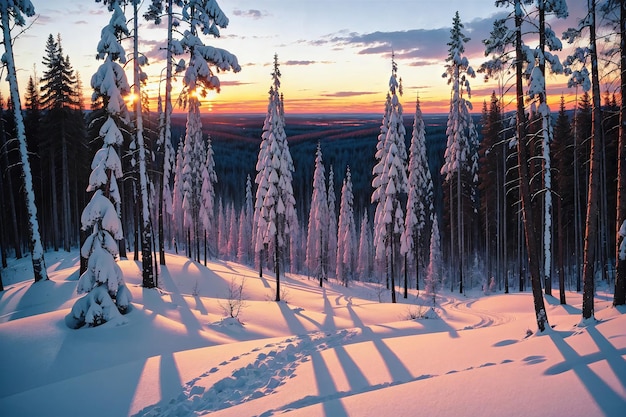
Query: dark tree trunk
x: 406, y: 277
x: 392, y: 261
x: 593, y: 197
x: 65, y: 189
x: 55, y: 210
x: 619, y: 297
x: 3, y: 253
x: 277, y: 266
x: 560, y: 244
x: 522, y: 155
x: 7, y: 168
x: 188, y: 243
x: 138, y: 225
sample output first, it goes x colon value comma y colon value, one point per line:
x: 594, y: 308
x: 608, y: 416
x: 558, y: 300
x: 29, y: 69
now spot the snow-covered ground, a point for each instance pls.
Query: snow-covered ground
x: 329, y: 351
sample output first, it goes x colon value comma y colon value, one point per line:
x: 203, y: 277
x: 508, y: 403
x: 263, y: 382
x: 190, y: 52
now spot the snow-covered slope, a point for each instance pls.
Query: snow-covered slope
x: 329, y: 351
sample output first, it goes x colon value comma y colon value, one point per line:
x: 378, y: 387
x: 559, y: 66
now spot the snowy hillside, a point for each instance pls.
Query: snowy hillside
x: 329, y: 351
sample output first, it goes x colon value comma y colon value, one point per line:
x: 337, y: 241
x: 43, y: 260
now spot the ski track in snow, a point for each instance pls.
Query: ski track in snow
x: 257, y: 379
x: 486, y: 318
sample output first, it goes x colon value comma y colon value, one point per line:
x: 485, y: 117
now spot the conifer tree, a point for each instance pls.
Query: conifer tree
x: 317, y: 237
x: 207, y: 17
x: 419, y: 206
x: 433, y: 274
x: 233, y: 232
x: 177, y: 198
x: 207, y: 193
x: 244, y: 251
x: 332, y: 222
x: 13, y: 13
x: 106, y: 294
x: 222, y: 230
x: 193, y: 162
x: 346, y: 242
x: 364, y: 262
x: 275, y: 213
x: 390, y: 182
x: 459, y: 129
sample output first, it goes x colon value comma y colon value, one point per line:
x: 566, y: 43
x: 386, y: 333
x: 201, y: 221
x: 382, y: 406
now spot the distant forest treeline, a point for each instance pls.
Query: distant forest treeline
x: 345, y: 140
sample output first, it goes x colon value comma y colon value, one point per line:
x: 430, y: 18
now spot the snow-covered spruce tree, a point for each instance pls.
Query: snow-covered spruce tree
x: 364, y: 256
x: 419, y: 205
x: 194, y: 158
x: 244, y: 250
x: 207, y: 194
x: 317, y: 237
x: 390, y: 182
x: 207, y: 17
x: 12, y: 12
x: 275, y: 213
x: 107, y: 296
x: 233, y: 233
x: 177, y: 199
x: 457, y: 154
x: 346, y: 237
x: 332, y: 222
x: 537, y: 59
x: 296, y: 246
x: 222, y: 230
x: 432, y: 282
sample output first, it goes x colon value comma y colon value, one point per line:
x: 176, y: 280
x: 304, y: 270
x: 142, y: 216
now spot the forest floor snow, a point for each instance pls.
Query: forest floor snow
x: 330, y: 351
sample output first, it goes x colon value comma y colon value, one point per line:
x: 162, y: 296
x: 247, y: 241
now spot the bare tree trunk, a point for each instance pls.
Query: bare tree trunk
x: 619, y: 297
x: 56, y: 233
x: 522, y: 155
x: 591, y: 220
x: 560, y: 244
x: 65, y: 189
x: 577, y: 206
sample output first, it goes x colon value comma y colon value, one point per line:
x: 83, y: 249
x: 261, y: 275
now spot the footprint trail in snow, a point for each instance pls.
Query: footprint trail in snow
x: 257, y: 379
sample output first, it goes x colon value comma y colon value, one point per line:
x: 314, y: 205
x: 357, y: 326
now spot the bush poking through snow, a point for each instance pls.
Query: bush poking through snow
x: 236, y: 301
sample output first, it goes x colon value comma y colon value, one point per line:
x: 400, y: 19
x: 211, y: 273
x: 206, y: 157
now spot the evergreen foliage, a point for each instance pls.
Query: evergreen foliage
x: 107, y: 296
x: 275, y: 214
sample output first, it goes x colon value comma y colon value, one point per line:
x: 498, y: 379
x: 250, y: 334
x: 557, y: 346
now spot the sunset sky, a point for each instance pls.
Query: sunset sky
x: 335, y: 55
